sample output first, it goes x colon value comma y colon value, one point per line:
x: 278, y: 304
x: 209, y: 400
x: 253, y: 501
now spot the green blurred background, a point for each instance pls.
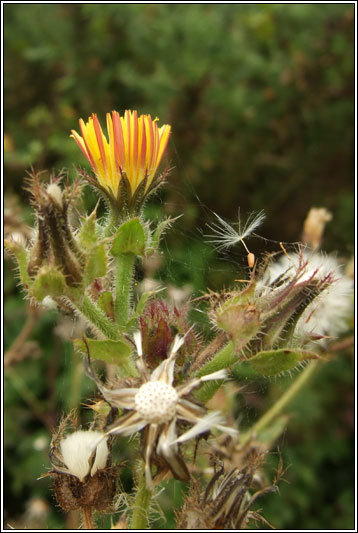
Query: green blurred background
x: 261, y: 101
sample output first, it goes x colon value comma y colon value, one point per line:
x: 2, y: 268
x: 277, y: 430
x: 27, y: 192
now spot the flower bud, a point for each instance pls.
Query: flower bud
x: 240, y: 321
x: 159, y: 325
x: 238, y: 315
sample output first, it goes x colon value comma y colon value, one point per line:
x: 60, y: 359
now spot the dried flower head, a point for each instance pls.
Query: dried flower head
x: 132, y: 153
x: 83, y: 477
x: 157, y: 407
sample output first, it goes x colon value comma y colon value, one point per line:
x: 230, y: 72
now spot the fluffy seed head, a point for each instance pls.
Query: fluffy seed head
x: 156, y: 401
x: 77, y: 449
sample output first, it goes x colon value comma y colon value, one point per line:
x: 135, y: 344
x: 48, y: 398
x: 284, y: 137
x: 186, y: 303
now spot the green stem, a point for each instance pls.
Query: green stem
x: 281, y: 403
x: 141, y: 504
x: 224, y: 358
x: 97, y: 317
x: 124, y: 264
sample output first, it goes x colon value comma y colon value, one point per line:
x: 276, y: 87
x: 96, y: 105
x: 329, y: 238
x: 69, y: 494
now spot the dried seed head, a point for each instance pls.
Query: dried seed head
x: 83, y: 475
x: 156, y: 401
x: 98, y: 491
x: 77, y: 449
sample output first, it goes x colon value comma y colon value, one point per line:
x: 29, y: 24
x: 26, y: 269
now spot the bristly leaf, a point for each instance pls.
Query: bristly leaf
x: 87, y: 235
x: 96, y: 266
x: 272, y: 362
x: 129, y: 239
x: 105, y: 302
x: 114, y: 352
x: 141, y: 305
x: 22, y: 259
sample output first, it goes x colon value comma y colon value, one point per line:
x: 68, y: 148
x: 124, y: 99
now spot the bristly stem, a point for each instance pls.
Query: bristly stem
x: 112, y: 221
x: 142, y: 503
x: 124, y: 265
x: 97, y: 317
x: 281, y: 403
x: 222, y: 359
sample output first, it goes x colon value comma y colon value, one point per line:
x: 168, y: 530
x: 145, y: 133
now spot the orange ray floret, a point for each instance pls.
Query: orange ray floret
x: 134, y: 148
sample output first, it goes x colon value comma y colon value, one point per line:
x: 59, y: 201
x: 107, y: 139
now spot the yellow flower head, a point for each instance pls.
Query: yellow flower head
x: 134, y: 149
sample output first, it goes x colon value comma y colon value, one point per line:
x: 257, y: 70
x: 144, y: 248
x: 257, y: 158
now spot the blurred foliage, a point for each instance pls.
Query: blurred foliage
x: 261, y: 100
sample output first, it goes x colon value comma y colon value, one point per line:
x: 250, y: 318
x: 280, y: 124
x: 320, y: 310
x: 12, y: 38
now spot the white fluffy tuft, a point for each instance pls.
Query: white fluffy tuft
x: 55, y: 192
x: 77, y: 448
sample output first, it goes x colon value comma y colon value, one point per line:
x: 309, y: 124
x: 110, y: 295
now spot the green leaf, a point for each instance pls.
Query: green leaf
x: 140, y: 306
x: 22, y: 259
x: 96, y: 266
x: 207, y: 390
x: 105, y: 302
x: 129, y: 239
x: 48, y: 282
x: 144, y: 298
x: 114, y: 352
x: 272, y: 362
x: 87, y: 236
